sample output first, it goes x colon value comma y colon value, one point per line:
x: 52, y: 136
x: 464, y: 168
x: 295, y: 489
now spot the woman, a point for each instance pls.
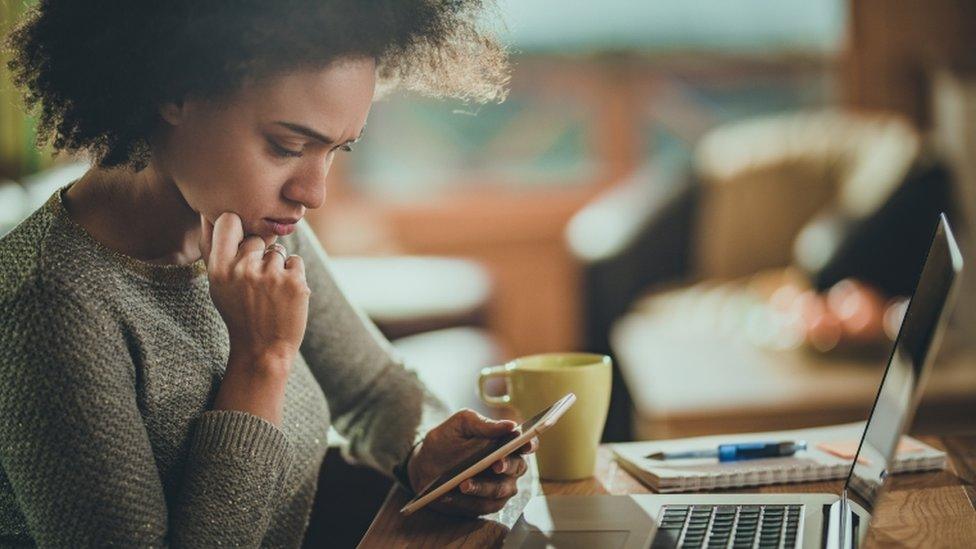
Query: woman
x: 173, y: 347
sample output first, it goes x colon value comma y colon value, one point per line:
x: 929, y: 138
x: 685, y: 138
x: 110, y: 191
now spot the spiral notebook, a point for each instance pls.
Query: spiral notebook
x: 829, y: 453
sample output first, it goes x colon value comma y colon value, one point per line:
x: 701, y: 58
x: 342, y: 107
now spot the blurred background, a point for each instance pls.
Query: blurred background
x: 733, y: 199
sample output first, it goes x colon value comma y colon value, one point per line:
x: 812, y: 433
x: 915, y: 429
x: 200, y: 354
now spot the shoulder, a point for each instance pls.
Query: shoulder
x: 45, y: 310
x: 21, y: 250
x: 56, y: 327
x: 54, y: 333
x: 43, y: 293
x: 43, y: 256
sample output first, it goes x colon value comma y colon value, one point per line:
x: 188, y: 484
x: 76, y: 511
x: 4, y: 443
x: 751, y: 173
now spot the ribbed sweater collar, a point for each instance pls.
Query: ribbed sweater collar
x: 169, y: 274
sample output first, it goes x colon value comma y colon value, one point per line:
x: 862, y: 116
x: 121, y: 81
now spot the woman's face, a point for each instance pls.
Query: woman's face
x: 265, y: 152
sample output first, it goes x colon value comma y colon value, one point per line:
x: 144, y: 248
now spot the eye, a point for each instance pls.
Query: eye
x: 345, y: 148
x: 283, y: 151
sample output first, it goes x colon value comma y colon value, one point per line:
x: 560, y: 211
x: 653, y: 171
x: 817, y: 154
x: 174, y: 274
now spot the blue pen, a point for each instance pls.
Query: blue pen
x: 738, y: 452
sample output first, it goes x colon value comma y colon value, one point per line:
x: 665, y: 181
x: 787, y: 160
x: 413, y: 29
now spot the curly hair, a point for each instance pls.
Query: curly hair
x: 97, y: 72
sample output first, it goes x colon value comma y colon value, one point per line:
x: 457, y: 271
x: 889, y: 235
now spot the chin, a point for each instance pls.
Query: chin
x: 268, y: 239
x: 252, y: 228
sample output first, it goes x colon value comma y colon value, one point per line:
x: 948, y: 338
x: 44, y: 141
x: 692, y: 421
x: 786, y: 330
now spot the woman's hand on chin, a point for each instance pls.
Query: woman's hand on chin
x: 262, y: 296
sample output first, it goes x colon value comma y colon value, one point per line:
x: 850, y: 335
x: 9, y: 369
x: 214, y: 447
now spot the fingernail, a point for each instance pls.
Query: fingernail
x: 500, y: 467
x: 467, y: 486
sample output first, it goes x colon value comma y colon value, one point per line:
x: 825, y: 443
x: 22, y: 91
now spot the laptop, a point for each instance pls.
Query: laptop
x: 771, y: 520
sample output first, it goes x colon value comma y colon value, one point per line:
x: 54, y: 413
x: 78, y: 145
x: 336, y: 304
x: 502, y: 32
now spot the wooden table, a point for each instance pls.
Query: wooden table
x: 932, y: 509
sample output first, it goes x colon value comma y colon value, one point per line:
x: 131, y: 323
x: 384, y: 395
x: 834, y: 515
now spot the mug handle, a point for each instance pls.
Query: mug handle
x: 488, y: 373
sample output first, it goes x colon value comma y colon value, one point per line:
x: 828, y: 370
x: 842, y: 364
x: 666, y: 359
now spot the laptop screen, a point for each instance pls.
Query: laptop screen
x: 912, y: 355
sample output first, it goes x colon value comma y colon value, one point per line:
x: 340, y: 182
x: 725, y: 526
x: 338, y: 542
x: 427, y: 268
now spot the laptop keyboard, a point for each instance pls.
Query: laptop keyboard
x: 729, y: 526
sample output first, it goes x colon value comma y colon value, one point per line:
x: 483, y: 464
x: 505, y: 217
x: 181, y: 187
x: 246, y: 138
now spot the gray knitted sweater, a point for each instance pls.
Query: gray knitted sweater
x: 108, y: 370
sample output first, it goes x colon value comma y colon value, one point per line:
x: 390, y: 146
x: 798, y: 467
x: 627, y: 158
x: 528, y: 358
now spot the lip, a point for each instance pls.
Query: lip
x: 284, y: 220
x: 281, y: 227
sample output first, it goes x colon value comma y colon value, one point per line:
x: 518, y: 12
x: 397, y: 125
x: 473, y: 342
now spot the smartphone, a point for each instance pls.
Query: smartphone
x: 493, y: 451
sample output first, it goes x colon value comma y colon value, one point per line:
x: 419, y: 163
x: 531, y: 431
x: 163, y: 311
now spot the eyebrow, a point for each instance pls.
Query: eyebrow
x: 309, y: 132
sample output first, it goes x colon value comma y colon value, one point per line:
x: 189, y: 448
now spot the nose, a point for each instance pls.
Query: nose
x: 307, y: 186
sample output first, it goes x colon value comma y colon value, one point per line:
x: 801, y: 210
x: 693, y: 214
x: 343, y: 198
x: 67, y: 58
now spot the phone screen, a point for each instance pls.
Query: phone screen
x: 489, y: 446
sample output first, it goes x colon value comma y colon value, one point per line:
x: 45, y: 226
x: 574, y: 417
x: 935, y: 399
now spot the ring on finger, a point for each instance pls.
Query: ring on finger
x: 278, y: 249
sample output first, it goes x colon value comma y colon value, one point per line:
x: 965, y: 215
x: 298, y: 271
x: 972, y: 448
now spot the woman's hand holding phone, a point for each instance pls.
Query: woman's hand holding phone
x: 263, y: 300
x: 458, y: 437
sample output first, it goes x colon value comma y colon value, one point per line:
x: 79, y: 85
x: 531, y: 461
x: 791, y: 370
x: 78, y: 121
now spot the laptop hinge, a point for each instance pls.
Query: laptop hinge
x: 841, y: 523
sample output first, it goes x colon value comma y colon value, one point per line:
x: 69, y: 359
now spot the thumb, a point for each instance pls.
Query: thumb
x: 206, y: 238
x: 473, y: 424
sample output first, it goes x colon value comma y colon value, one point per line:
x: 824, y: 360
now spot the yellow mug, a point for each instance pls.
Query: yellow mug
x: 567, y: 451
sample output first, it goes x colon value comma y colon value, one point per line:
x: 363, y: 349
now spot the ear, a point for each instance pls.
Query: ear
x: 173, y: 112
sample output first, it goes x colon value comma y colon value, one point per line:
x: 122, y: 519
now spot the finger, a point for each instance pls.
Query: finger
x: 473, y: 424
x: 206, y: 237
x: 251, y: 248
x: 529, y: 447
x: 500, y: 466
x: 296, y: 265
x: 502, y: 487
x: 227, y: 236
x: 513, y: 466
x: 523, y: 467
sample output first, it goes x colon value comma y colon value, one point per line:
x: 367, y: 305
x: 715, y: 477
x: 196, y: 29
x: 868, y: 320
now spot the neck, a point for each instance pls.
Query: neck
x: 141, y: 214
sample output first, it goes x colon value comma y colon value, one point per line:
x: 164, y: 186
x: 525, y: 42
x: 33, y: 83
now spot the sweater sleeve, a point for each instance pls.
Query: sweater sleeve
x: 381, y: 408
x: 75, y: 450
